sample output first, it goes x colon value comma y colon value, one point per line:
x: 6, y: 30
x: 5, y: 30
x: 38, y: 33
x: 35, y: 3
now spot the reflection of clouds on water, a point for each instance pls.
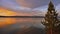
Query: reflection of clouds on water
x: 22, y: 22
x: 7, y: 21
x: 23, y: 27
x: 13, y: 24
x: 1, y: 19
x: 18, y: 22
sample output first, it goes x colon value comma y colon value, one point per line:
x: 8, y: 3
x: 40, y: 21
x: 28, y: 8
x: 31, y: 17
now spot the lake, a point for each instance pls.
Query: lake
x: 21, y: 24
x: 9, y: 21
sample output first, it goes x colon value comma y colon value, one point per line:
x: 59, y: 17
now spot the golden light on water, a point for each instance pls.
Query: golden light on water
x: 7, y: 21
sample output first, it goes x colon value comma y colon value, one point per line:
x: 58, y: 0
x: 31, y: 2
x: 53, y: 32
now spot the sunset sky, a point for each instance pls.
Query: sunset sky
x: 24, y: 8
x: 33, y: 7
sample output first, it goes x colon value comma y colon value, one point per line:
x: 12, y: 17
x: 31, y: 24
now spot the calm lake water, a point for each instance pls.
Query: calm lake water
x: 16, y: 20
x: 20, y: 21
x: 10, y: 24
x: 14, y: 24
x: 25, y: 21
x: 8, y: 21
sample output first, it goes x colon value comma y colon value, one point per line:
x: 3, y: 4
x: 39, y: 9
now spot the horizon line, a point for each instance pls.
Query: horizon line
x: 23, y: 17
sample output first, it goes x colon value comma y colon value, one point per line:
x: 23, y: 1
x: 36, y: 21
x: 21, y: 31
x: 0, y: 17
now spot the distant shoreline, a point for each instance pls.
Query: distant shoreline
x: 22, y: 17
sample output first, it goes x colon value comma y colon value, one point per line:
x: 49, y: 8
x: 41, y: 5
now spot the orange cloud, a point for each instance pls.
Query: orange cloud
x: 24, y: 3
x: 5, y: 12
x: 24, y: 14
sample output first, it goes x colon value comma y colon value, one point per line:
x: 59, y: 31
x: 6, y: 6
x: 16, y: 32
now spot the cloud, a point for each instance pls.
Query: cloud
x: 24, y: 4
x: 35, y: 7
x: 32, y: 3
x: 42, y: 8
x: 10, y: 4
x: 5, y: 12
x: 58, y: 7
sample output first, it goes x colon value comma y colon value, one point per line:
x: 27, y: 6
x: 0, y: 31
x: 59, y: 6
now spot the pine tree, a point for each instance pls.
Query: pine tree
x: 51, y: 19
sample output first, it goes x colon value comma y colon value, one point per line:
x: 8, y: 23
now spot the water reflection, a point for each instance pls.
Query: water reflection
x: 8, y: 21
x: 21, y: 25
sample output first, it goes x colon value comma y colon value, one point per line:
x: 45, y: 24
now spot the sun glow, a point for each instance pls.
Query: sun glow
x: 5, y: 12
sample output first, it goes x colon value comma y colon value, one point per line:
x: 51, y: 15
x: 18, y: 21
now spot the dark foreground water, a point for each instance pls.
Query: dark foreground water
x: 21, y: 26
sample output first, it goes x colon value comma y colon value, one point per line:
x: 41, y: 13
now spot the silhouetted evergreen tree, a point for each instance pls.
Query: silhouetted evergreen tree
x: 51, y: 21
